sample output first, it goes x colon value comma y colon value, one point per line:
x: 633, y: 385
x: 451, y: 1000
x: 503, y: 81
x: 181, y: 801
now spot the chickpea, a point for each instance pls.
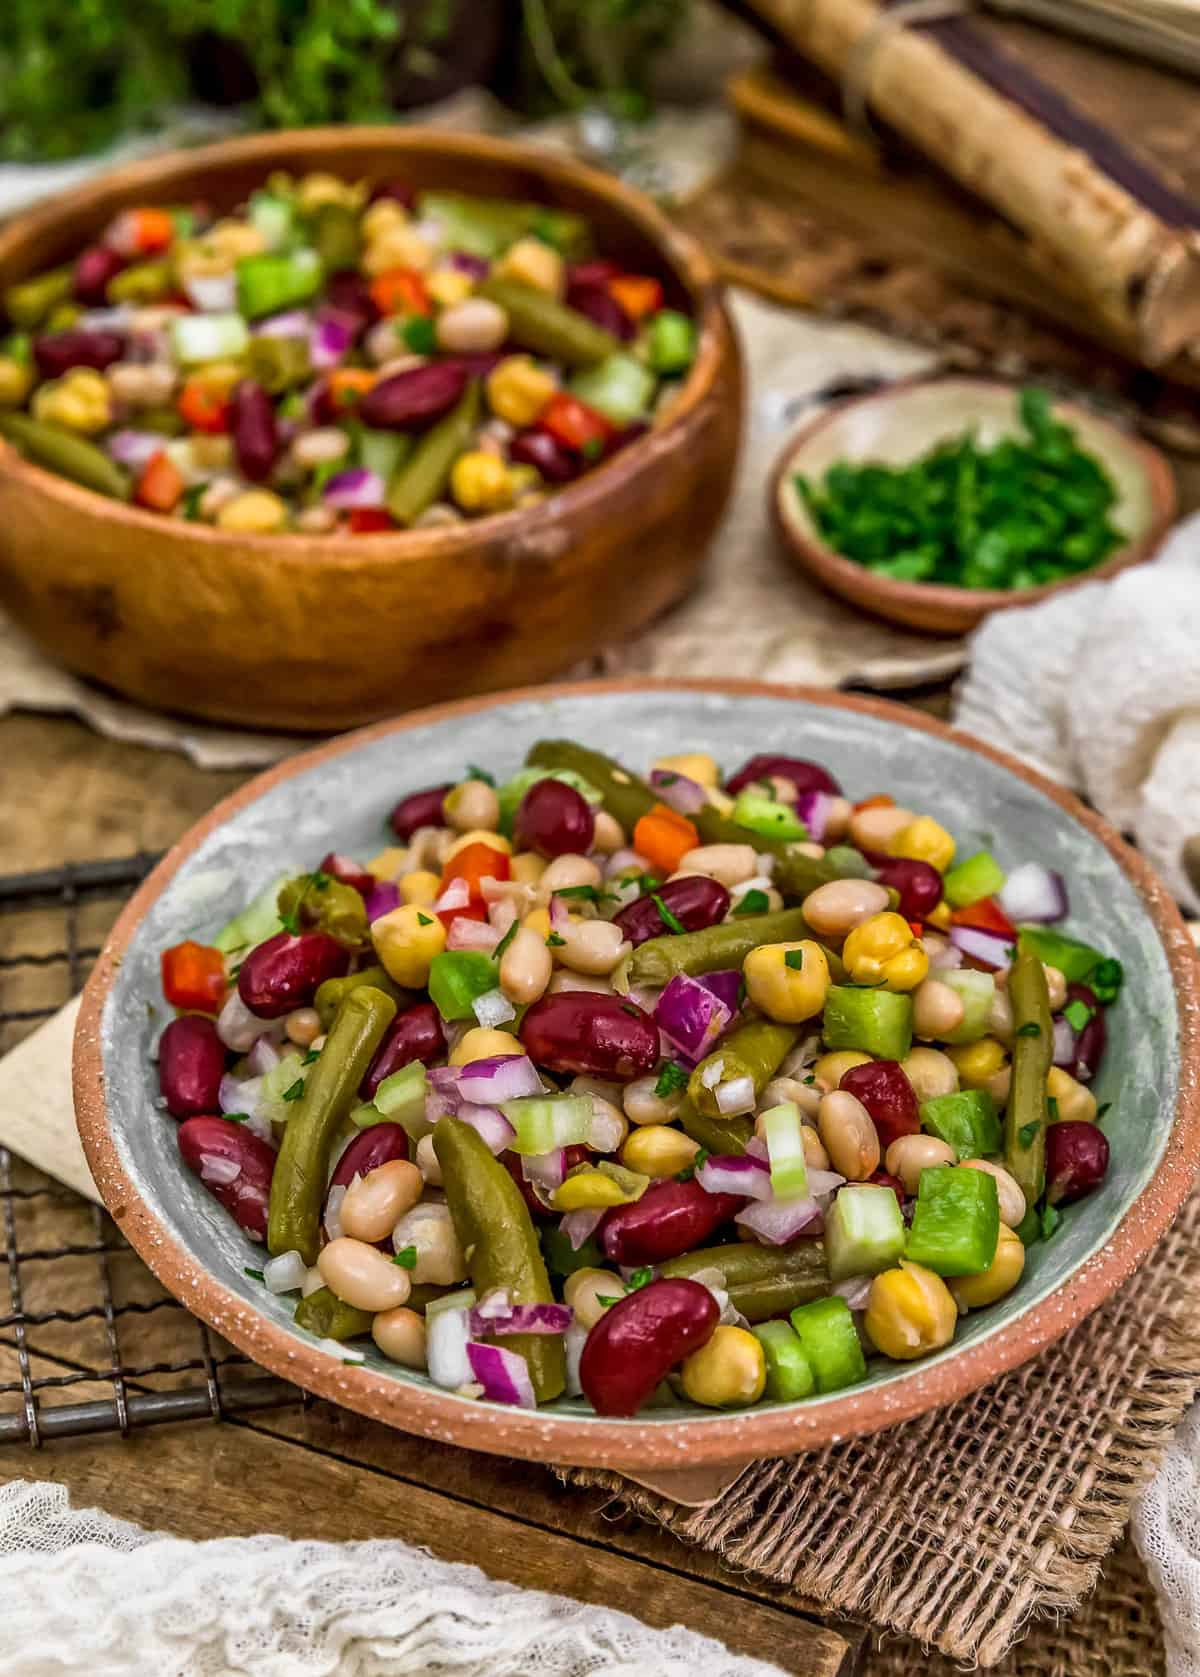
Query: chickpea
x: 303, y: 1026
x: 835, y: 909
x: 320, y: 447
x: 1076, y: 1103
x: 972, y: 1292
x: 657, y: 1150
x: 427, y: 1161
x: 930, y: 1072
x: 924, y: 840
x: 440, y: 1259
x: 849, y: 1136
x: 375, y: 1203
x: 471, y: 805
x: 362, y: 1275
x: 909, y: 1155
x: 525, y: 968
x: 421, y: 886
x: 1012, y: 1199
x: 728, y: 864
x: 788, y: 981
x: 427, y: 847
x: 473, y: 835
x: 390, y: 863
x: 253, y: 512
x: 527, y: 867
x: 406, y: 941
x: 883, y: 950
x: 585, y: 1288
x: 473, y: 327
x: 483, y: 1042
x: 937, y: 1010
x: 643, y: 1106
x: 695, y: 765
x: 1056, y: 986
x: 397, y: 246
x: 566, y: 873
x: 530, y: 262
x: 400, y: 1335
x: 729, y: 1372
x: 831, y: 1068
x: 609, y: 836
x: 978, y: 1061
x: 876, y: 827
x: 910, y: 1312
x: 806, y: 1096
x: 593, y: 947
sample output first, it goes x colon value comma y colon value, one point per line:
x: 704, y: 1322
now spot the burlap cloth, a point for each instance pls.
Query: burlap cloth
x: 966, y: 1528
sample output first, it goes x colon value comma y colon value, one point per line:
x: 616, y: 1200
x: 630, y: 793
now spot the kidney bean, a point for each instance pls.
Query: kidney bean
x: 804, y: 776
x: 1076, y: 1160
x: 599, y: 305
x: 209, y: 1147
x: 413, y: 398
x: 94, y: 267
x: 671, y: 1218
x: 372, y: 1147
x: 588, y: 1033
x: 919, y: 885
x: 255, y: 432
x: 545, y: 454
x: 284, y: 972
x: 555, y: 820
x: 399, y: 191
x: 349, y: 872
x: 414, y: 1034
x: 55, y: 353
x: 191, y: 1064
x: 350, y: 294
x: 888, y: 1096
x: 1092, y: 1039
x: 696, y: 902
x: 420, y: 809
x: 626, y: 435
x: 478, y: 363
x: 594, y: 273
x: 640, y: 1339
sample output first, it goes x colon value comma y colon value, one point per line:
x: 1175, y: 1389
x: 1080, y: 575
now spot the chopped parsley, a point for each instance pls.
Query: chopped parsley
x: 254, y: 1274
x: 424, y: 919
x: 1027, y: 1134
x: 701, y: 1157
x: 554, y: 941
x: 190, y: 501
x: 1107, y: 1107
x: 1077, y: 1014
x: 236, y: 1117
x: 580, y: 893
x: 509, y: 935
x: 1051, y: 1110
x: 474, y: 772
x: 671, y: 921
x: 794, y: 959
x: 631, y: 1010
x: 1029, y: 1028
x: 754, y: 902
x: 605, y: 1299
x: 670, y: 1078
x: 593, y: 448
x: 316, y: 881
x: 419, y: 335
x: 665, y: 777
x: 1050, y: 1219
x: 312, y: 1055
x: 406, y: 1258
x: 1105, y: 979
x: 296, y: 1090
x: 639, y: 1278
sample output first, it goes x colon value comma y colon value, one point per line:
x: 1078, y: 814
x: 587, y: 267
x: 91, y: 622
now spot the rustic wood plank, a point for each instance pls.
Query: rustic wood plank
x: 204, y: 1482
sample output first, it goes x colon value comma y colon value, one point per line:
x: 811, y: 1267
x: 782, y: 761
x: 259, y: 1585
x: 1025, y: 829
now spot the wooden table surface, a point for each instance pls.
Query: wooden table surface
x: 317, y: 1471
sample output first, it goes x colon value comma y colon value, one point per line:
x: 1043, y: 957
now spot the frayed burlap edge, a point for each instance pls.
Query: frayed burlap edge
x: 964, y: 1527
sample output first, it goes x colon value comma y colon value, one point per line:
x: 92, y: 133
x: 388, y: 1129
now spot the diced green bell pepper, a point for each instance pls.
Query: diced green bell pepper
x: 274, y: 218
x: 671, y: 342
x: 876, y: 1022
x: 977, y: 877
x: 977, y: 992
x: 274, y: 282
x: 619, y: 387
x: 789, y: 1372
x: 956, y: 1224
x: 864, y: 1231
x: 966, y: 1121
x: 1073, y: 959
x: 457, y: 979
x: 829, y: 1339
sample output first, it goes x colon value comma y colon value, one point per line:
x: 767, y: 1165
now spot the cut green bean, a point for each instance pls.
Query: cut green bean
x: 1033, y: 1052
x: 63, y: 452
x: 422, y: 478
x: 539, y: 322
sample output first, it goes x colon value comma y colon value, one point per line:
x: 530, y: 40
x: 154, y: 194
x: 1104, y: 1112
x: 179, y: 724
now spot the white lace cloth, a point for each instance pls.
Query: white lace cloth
x: 1166, y: 1529
x: 82, y: 1592
x: 1100, y: 688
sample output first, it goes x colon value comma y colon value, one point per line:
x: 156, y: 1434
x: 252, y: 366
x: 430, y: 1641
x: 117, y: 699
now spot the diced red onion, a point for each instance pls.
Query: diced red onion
x: 560, y: 918
x: 945, y: 957
x: 239, y: 1094
x: 726, y: 986
x: 855, y: 1289
x: 357, y: 486
x: 493, y: 1008
x: 580, y: 1226
x: 548, y: 1170
x: 692, y: 1015
x: 711, y: 1075
x: 823, y: 1184
x: 117, y: 319
x: 573, y: 1343
x: 621, y: 860
x: 333, y: 1210
x: 480, y: 935
x: 502, y: 911
x: 504, y: 1375
x: 446, y: 1336
x: 1033, y: 892
x: 332, y: 336
x: 520, y: 1318
x: 738, y: 1095
x: 381, y: 899
x: 293, y: 323
x: 1066, y: 1041
x: 285, y: 1274
x: 990, y: 949
x: 814, y: 808
x: 493, y: 1126
x: 440, y: 1104
x: 261, y: 1059
x: 777, y: 1222
x: 456, y: 895
x: 495, y: 1303
x: 735, y: 1173
x: 464, y: 263
x: 686, y: 796
x: 211, y: 293
x: 503, y: 1077
x: 605, y: 1132
x: 240, y: 1029
x: 134, y: 448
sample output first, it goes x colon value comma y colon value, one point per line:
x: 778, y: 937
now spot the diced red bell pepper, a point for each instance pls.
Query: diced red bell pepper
x: 161, y: 484
x: 193, y: 977
x: 202, y: 408
x: 365, y: 521
x: 474, y: 863
x: 400, y: 291
x: 574, y: 424
x: 638, y: 294
x: 348, y: 872
x: 986, y: 916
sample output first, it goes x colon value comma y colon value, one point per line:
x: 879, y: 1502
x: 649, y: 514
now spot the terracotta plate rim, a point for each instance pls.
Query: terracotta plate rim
x: 542, y: 1435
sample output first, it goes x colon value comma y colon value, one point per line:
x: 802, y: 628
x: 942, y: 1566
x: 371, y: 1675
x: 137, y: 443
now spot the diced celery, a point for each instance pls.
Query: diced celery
x: 487, y: 226
x: 977, y: 992
x: 864, y: 1231
x: 619, y: 387
x: 764, y: 815
x: 457, y: 979
x: 671, y: 341
x: 383, y: 451
x: 274, y: 218
x: 268, y: 284
x: 977, y: 877
x: 789, y: 1372
x: 956, y: 1224
x: 258, y: 921
x: 544, y: 1122
x: 366, y: 1114
x: 276, y: 1099
x: 966, y: 1121
x: 401, y: 1097
x: 781, y: 1130
x: 1073, y: 959
x: 196, y: 338
x: 876, y: 1022
x: 829, y: 1339
x: 511, y: 793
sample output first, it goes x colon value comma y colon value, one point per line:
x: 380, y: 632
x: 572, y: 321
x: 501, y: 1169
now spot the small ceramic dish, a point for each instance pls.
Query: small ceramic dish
x: 894, y: 426
x: 339, y: 794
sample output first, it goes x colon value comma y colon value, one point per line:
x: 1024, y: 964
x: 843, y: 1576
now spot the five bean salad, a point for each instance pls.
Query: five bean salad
x: 637, y: 1089
x: 336, y: 356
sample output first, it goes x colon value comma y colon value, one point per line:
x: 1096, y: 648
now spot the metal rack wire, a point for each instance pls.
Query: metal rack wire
x: 90, y: 1342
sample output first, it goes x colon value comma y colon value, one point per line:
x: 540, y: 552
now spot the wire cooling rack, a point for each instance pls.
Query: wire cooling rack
x: 90, y: 1341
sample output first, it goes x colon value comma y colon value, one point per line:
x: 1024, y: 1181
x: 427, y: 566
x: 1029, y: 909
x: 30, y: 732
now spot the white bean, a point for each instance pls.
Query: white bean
x: 849, y: 1136
x: 609, y: 836
x: 909, y: 1155
x: 728, y: 864
x: 440, y: 1259
x: 1009, y: 1190
x: 362, y: 1275
x: 565, y: 873
x: 472, y: 327
x: 593, y: 947
x: 876, y: 827
x: 805, y: 1095
x: 321, y: 447
x: 375, y: 1203
x: 643, y: 1106
x: 526, y: 967
x: 400, y: 1335
x: 937, y: 1010
x: 427, y: 1161
x: 835, y: 909
x: 930, y: 1072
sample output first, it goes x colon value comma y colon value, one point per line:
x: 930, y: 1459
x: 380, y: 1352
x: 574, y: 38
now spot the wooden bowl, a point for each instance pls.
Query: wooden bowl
x: 338, y: 795
x: 319, y: 633
x: 894, y: 426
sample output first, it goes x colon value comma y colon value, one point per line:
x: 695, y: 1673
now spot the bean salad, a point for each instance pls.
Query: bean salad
x: 643, y: 1090
x: 336, y: 356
